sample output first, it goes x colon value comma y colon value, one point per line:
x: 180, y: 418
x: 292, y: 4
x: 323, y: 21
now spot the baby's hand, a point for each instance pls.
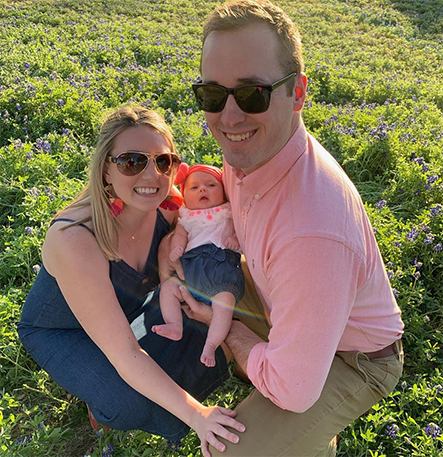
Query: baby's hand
x: 176, y: 253
x: 232, y: 243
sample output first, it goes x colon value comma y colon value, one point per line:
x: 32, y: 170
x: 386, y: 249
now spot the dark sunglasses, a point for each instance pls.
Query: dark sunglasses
x: 251, y: 98
x: 131, y: 163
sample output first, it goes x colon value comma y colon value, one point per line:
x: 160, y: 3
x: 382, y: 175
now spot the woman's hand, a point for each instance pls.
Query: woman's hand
x: 211, y: 422
x: 194, y: 309
x: 166, y: 266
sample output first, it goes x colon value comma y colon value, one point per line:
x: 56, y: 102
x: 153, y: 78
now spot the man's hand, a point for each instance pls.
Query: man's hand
x: 166, y: 267
x: 194, y: 309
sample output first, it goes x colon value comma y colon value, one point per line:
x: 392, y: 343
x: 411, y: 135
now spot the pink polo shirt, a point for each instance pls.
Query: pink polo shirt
x: 315, y: 262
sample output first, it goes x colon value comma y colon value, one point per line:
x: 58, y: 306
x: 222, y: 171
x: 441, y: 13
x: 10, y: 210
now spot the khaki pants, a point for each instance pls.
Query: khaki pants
x: 354, y: 384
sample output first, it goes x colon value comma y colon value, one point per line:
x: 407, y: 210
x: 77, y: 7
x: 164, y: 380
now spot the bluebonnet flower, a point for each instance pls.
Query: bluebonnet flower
x: 412, y: 234
x: 26, y: 65
x: 205, y: 128
x: 23, y: 440
x: 432, y: 178
x: 36, y: 269
x: 429, y: 239
x: 438, y: 388
x: 46, y: 146
x: 435, y: 210
x: 380, y: 204
x: 427, y: 319
x: 438, y: 247
x: 18, y: 144
x: 18, y: 107
x: 189, y: 111
x: 28, y: 230
x: 108, y: 450
x: 48, y: 192
x: 390, y: 274
x: 417, y: 275
x: 403, y: 385
x: 395, y: 292
x: 65, y: 131
x: 34, y: 192
x: 432, y: 430
x: 397, y: 244
x: 392, y: 431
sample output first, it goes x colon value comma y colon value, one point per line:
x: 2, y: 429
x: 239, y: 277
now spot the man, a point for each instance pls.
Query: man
x: 333, y: 348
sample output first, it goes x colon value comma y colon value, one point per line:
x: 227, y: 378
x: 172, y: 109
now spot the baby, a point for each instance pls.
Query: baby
x: 205, y: 240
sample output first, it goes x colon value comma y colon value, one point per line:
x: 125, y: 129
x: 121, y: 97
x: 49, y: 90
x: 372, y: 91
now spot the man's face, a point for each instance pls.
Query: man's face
x: 249, y: 56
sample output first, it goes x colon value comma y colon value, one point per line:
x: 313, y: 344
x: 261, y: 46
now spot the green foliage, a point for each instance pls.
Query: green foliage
x: 375, y: 101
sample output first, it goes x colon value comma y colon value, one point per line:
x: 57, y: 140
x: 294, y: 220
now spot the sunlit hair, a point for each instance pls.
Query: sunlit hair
x: 93, y: 195
x: 241, y: 13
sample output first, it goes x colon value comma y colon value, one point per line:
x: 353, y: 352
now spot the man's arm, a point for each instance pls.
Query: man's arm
x: 240, y: 341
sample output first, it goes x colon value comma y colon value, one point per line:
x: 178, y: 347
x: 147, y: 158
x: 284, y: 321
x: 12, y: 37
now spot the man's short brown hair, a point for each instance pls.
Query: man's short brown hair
x: 237, y: 14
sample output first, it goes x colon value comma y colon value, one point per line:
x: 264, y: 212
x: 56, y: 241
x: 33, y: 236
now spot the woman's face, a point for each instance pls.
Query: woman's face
x: 143, y: 192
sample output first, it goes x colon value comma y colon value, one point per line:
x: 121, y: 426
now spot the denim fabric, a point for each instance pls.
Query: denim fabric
x: 52, y: 335
x: 210, y: 270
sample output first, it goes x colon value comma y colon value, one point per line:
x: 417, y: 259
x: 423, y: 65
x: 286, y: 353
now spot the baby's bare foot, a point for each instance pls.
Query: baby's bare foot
x: 208, y: 355
x: 171, y: 331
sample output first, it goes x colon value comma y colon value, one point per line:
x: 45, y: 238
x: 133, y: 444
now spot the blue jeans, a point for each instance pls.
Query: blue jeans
x: 74, y: 361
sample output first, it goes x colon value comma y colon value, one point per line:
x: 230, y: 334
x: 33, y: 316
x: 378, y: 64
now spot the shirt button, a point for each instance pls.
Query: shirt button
x: 145, y: 280
x: 245, y: 206
x: 257, y: 196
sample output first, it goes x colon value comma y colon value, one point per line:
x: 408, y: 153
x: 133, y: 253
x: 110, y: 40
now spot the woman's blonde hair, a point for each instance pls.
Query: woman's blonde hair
x: 94, y: 195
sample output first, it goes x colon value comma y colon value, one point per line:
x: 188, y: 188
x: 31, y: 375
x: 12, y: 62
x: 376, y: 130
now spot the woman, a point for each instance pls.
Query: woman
x: 87, y: 320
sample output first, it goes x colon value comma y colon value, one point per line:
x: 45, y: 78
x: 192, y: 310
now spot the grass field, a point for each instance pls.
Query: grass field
x: 375, y: 101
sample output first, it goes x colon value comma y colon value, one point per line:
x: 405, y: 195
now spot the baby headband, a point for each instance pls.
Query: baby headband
x: 184, y: 171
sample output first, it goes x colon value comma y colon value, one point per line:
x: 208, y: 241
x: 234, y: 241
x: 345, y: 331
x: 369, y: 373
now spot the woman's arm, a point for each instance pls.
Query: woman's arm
x: 82, y: 273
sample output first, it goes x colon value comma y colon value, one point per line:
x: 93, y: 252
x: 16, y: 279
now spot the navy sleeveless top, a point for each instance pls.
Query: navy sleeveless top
x: 45, y: 306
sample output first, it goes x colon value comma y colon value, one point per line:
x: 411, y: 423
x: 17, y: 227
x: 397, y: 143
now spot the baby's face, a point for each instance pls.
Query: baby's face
x: 203, y: 190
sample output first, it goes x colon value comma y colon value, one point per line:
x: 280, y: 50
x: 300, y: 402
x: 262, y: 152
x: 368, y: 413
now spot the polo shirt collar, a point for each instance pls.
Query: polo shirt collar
x: 261, y: 180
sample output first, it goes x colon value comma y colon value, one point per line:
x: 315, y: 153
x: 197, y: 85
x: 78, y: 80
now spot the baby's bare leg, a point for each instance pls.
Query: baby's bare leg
x: 223, y: 307
x: 170, y: 298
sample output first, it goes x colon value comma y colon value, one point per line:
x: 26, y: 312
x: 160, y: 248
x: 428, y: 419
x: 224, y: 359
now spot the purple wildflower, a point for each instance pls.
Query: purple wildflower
x: 380, y: 204
x: 189, y: 111
x: 392, y: 431
x: 438, y: 388
x: 397, y: 244
x: 108, y: 450
x: 438, y: 247
x: 429, y: 239
x: 26, y: 65
x: 435, y: 210
x: 36, y: 269
x: 412, y: 234
x: 432, y: 430
x: 60, y: 102
x: 28, y: 230
x: 395, y: 292
x: 432, y: 178
x: 46, y: 146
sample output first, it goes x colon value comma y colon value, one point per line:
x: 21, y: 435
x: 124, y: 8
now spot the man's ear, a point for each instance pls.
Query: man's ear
x: 301, y: 83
